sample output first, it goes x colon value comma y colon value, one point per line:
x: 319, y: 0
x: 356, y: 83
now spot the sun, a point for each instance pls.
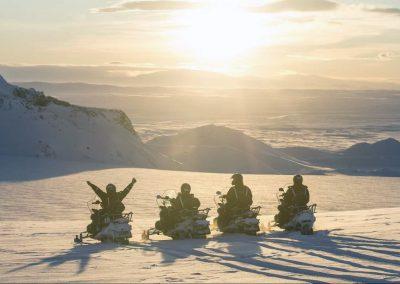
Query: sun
x: 219, y: 34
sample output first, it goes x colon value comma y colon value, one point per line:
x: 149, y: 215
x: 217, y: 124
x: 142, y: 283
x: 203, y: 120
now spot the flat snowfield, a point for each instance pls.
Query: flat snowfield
x: 43, y: 206
x: 355, y: 246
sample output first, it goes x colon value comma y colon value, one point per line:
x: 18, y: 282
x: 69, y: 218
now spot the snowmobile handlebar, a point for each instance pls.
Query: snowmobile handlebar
x: 219, y: 198
x: 127, y: 216
x: 256, y: 209
x: 204, y: 211
x: 163, y: 197
x: 252, y: 211
x: 312, y: 207
x: 195, y: 210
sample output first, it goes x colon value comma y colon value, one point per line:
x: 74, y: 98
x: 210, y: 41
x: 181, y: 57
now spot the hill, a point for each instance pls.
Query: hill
x: 381, y: 158
x: 212, y: 148
x: 32, y: 124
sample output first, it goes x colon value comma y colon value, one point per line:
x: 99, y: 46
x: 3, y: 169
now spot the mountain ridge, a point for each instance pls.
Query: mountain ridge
x: 209, y: 144
x: 204, y: 147
x: 32, y: 124
x: 210, y: 79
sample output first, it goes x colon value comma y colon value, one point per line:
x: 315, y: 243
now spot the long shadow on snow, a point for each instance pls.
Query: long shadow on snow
x: 341, y: 250
x: 81, y: 254
x: 14, y: 169
x: 202, y: 251
x: 245, y: 253
x: 248, y: 256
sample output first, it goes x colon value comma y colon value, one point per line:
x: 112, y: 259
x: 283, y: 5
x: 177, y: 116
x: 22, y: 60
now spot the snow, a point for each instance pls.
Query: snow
x: 355, y: 246
x: 5, y: 88
x: 43, y: 206
x: 48, y: 151
x: 212, y: 148
x: 38, y: 126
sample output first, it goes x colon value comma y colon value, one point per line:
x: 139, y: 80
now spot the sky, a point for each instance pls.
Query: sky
x: 346, y: 39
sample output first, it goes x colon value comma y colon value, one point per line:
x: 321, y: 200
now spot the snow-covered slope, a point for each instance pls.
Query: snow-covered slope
x: 379, y: 158
x: 40, y: 214
x: 384, y: 149
x: 32, y: 124
x: 213, y: 148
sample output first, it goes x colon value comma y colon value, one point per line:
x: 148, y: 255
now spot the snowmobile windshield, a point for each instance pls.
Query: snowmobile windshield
x: 94, y: 203
x: 281, y: 192
x: 164, y: 199
x: 170, y: 194
x: 219, y: 197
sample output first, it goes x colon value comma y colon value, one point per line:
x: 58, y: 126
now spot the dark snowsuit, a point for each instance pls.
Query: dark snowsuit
x: 294, y: 200
x: 111, y: 205
x: 238, y: 199
x: 297, y: 196
x: 169, y: 216
x: 185, y: 201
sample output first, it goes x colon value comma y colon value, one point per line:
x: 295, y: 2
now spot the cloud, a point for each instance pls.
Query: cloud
x: 297, y: 6
x: 162, y: 5
x: 393, y: 11
x: 388, y: 55
x: 389, y: 36
x: 167, y: 5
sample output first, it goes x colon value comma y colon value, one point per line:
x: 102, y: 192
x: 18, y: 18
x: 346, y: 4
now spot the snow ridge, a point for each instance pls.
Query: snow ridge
x: 213, y: 148
x: 5, y: 88
x: 32, y: 124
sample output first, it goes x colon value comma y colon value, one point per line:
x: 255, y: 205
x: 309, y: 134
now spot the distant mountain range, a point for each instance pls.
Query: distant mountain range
x: 381, y: 158
x: 90, y: 89
x: 220, y: 149
x: 33, y: 124
x: 212, y: 148
x: 206, y: 79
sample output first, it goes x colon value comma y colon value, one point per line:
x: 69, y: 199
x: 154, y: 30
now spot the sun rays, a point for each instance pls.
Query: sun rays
x: 219, y: 34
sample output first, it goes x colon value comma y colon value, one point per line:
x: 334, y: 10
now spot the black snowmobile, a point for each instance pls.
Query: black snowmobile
x: 105, y: 227
x: 292, y: 218
x: 236, y: 221
x: 179, y: 224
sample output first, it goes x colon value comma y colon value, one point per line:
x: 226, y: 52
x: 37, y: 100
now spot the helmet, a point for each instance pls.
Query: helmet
x: 237, y: 179
x: 185, y: 188
x: 297, y: 179
x: 110, y: 188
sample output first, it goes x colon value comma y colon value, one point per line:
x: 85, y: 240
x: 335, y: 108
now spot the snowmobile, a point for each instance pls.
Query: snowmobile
x: 182, y: 224
x: 106, y: 227
x: 299, y: 218
x: 240, y: 222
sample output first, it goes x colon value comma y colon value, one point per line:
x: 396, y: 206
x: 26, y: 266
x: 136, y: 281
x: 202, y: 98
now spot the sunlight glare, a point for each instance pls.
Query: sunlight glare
x: 219, y: 33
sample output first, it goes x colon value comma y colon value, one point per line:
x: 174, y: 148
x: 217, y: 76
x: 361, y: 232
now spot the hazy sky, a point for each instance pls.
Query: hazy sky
x: 341, y: 38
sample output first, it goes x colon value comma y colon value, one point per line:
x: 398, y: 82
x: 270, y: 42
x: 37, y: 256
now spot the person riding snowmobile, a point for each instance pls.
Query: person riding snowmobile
x: 185, y: 202
x: 294, y: 200
x: 298, y: 194
x: 239, y: 195
x: 238, y: 199
x: 111, y: 200
x: 111, y: 204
